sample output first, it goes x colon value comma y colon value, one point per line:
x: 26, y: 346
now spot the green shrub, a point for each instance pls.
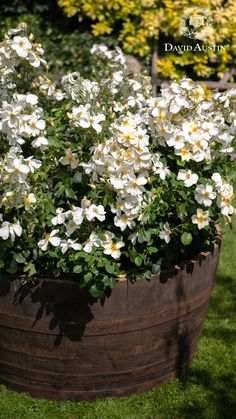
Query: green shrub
x: 139, y: 22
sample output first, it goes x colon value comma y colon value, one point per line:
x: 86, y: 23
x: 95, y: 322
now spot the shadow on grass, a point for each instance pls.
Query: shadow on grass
x: 219, y: 395
x: 218, y: 304
x: 222, y: 307
x: 220, y: 388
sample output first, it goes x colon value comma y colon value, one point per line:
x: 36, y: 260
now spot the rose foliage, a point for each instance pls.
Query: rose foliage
x: 99, y: 180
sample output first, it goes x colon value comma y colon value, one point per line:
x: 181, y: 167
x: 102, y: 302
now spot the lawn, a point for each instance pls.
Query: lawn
x: 208, y: 391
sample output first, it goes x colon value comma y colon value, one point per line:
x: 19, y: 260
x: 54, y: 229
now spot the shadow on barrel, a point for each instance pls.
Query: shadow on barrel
x: 67, y: 309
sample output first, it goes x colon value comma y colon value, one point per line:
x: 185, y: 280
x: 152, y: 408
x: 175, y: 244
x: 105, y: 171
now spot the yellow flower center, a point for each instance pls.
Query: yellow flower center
x: 184, y: 151
x: 70, y: 158
x: 128, y: 137
x: 162, y: 116
x: 113, y: 246
x: 201, y: 218
x: 26, y: 200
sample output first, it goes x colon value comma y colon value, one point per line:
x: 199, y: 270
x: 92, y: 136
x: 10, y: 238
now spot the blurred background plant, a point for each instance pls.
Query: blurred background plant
x: 66, y: 43
x: 143, y: 25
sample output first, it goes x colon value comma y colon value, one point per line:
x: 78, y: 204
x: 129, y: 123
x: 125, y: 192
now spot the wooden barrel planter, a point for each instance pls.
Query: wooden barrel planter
x: 57, y: 342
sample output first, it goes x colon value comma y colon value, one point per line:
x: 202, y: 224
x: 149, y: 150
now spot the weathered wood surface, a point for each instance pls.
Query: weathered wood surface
x: 57, y: 342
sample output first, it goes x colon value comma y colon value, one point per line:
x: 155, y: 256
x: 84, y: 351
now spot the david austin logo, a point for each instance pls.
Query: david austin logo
x: 196, y: 24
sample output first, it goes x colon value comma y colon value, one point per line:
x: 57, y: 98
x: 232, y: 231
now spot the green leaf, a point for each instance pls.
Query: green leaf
x: 101, y: 235
x: 60, y: 188
x: 70, y: 193
x: 144, y: 235
x: 88, y: 277
x: 1, y: 263
x: 180, y: 163
x: 57, y: 272
x: 95, y: 292
x: 133, y: 253
x: 84, y: 255
x: 35, y: 254
x: 12, y: 268
x: 19, y: 258
x: 152, y: 216
x: 152, y: 249
x: 182, y: 194
x: 183, y: 208
x: 138, y: 261
x: 65, y: 268
x: 156, y: 268
x: 108, y: 281
x: 26, y: 253
x: 30, y: 269
x: 186, y: 238
x: 77, y: 269
x: 109, y: 268
x: 53, y: 252
x: 147, y: 274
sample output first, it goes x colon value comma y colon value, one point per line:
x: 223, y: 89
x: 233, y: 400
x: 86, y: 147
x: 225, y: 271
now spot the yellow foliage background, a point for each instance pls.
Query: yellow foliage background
x: 138, y: 22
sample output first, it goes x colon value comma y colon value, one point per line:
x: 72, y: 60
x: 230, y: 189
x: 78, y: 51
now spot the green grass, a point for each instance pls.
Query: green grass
x: 208, y: 391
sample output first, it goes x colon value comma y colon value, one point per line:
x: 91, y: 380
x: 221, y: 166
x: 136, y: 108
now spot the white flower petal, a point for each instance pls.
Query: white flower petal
x: 55, y: 241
